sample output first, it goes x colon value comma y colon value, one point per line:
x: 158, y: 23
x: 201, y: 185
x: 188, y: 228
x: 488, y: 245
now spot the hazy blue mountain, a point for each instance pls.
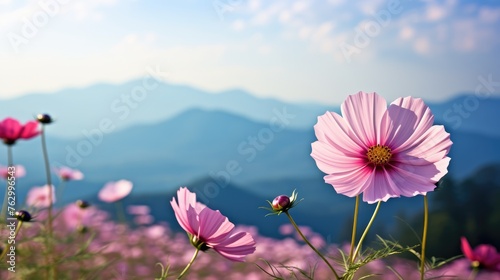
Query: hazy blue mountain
x: 80, y: 110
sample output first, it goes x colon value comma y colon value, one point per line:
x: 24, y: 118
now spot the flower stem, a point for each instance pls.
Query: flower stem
x: 189, y: 264
x: 49, y: 219
x: 366, y: 231
x: 6, y: 197
x: 354, y: 226
x: 424, y: 237
x: 18, y: 227
x: 310, y: 245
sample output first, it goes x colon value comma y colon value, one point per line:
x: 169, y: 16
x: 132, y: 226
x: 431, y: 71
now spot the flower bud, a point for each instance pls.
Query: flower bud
x: 44, y: 118
x: 23, y: 216
x: 82, y: 204
x: 281, y: 202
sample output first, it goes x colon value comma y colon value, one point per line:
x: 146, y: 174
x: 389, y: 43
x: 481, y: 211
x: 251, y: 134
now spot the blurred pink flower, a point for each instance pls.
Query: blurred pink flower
x: 381, y: 152
x: 11, y: 130
x: 210, y: 228
x: 138, y: 209
x: 75, y: 216
x: 39, y: 196
x: 114, y: 191
x: 483, y: 256
x: 68, y: 174
x: 19, y: 171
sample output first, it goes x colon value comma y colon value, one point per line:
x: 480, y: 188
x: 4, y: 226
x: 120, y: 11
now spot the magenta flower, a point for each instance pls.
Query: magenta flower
x: 39, y: 197
x: 210, y: 229
x: 381, y: 152
x: 114, y: 191
x: 11, y: 130
x: 68, y: 174
x: 18, y: 173
x: 483, y: 256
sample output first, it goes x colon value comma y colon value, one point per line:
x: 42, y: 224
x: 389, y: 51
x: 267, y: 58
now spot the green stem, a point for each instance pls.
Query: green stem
x: 366, y: 231
x: 189, y: 264
x: 354, y: 226
x: 310, y: 245
x: 424, y: 237
x: 6, y: 197
x: 120, y: 212
x: 18, y: 227
x: 53, y: 273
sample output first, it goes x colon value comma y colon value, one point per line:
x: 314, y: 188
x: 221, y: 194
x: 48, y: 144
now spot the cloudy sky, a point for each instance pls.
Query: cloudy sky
x: 298, y: 50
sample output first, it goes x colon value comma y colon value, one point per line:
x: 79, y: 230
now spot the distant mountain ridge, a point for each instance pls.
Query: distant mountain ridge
x: 198, y: 144
x: 81, y: 110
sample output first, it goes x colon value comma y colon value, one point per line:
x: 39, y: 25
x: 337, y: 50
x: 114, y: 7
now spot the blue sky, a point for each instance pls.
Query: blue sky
x: 301, y: 50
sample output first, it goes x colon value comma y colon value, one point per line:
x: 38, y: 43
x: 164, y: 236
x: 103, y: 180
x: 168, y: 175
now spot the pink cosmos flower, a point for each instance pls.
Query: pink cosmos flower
x: 11, y: 130
x: 114, y: 191
x: 483, y: 256
x: 210, y: 229
x: 381, y: 151
x: 68, y: 174
x: 39, y: 197
x: 18, y: 173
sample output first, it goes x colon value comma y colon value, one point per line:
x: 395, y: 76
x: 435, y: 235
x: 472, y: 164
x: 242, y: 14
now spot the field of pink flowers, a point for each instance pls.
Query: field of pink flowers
x: 370, y: 151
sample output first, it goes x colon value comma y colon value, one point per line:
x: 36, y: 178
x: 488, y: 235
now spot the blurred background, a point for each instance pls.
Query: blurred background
x: 222, y: 95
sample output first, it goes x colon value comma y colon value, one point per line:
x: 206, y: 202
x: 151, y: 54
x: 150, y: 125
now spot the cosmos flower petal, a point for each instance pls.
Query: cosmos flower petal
x: 335, y: 131
x: 466, y: 249
x: 434, y: 141
x: 236, y: 246
x: 181, y: 216
x: 406, y: 120
x: 379, y: 188
x: 29, y: 130
x: 364, y: 112
x: 351, y: 183
x: 214, y: 226
x: 330, y: 160
x: 114, y: 191
x: 411, y: 183
x: 193, y: 222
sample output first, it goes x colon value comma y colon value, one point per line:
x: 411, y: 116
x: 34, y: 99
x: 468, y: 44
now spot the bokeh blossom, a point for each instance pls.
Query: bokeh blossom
x: 483, y: 256
x: 11, y: 130
x: 210, y: 229
x: 39, y: 197
x: 68, y: 174
x: 114, y: 191
x: 19, y: 172
x: 379, y: 151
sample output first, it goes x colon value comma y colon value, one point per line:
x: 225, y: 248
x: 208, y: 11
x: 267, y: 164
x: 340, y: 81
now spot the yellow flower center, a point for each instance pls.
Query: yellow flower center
x: 379, y: 155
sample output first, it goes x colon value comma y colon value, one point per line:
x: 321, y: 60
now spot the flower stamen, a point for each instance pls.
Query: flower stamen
x: 379, y: 154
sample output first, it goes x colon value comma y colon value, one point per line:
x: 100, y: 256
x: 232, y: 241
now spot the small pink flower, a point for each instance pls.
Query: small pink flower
x: 138, y: 209
x: 68, y: 174
x: 39, y: 196
x: 11, y: 130
x: 483, y: 256
x: 5, y: 172
x: 379, y: 151
x: 210, y: 229
x: 114, y: 191
x: 74, y: 216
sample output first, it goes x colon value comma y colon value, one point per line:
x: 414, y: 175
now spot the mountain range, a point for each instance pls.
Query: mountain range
x: 233, y: 149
